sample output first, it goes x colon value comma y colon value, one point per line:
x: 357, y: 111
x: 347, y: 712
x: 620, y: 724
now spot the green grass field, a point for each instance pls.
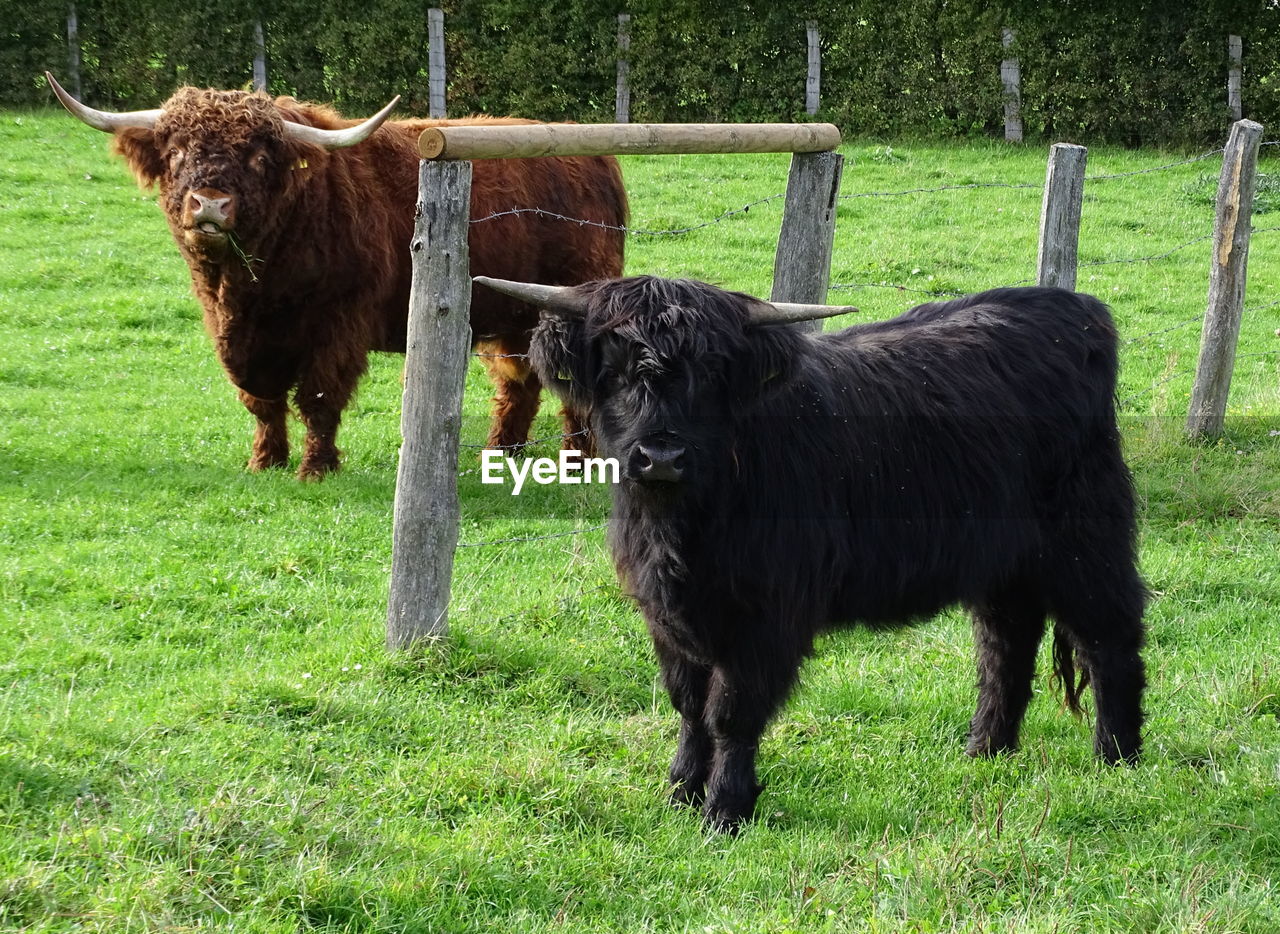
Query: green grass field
x: 200, y: 728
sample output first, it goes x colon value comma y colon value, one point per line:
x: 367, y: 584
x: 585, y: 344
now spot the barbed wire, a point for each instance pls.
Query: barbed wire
x: 1260, y: 307
x: 746, y: 208
x: 1172, y: 327
x: 521, y: 445
x: 1129, y: 400
x: 916, y: 191
x: 1190, y: 371
x: 633, y: 231
x: 1028, y: 185
x: 1155, y: 168
x: 850, y: 286
x: 1257, y: 353
x: 1144, y: 259
x: 534, y: 538
x: 562, y: 603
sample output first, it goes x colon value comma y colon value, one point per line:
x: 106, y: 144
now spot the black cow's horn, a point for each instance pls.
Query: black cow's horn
x: 559, y: 298
x: 102, y: 119
x: 569, y: 301
x: 780, y: 312
x: 339, y: 139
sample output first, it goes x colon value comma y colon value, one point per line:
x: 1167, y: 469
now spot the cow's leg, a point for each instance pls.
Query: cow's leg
x: 1118, y: 677
x: 322, y: 394
x: 1106, y: 631
x: 515, y: 400
x: 1097, y: 600
x: 1007, y: 630
x: 271, y: 438
x: 577, y: 434
x: 740, y: 701
x: 686, y: 682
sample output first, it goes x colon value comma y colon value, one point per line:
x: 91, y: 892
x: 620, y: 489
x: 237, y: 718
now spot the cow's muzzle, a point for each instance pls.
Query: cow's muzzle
x: 209, y: 212
x: 657, y: 462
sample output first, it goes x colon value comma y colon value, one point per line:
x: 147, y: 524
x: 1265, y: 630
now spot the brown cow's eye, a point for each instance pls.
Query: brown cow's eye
x: 175, y: 157
x: 258, y: 162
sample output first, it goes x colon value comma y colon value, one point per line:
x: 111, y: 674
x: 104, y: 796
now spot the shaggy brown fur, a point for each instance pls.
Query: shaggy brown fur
x: 310, y: 268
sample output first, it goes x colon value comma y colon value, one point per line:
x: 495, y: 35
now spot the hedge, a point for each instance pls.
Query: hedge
x: 1131, y: 73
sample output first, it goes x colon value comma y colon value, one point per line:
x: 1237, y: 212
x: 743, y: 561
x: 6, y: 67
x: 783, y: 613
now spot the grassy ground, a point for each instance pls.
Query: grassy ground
x: 200, y: 729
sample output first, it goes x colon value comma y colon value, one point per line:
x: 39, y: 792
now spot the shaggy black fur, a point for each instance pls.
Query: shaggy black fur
x: 777, y: 483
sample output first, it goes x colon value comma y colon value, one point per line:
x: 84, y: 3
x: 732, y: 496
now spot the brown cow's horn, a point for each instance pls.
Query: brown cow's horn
x: 101, y: 119
x: 339, y: 139
x: 561, y: 298
x: 781, y: 312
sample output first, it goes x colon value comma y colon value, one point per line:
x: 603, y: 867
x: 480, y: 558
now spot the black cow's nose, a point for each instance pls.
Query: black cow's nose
x: 658, y: 462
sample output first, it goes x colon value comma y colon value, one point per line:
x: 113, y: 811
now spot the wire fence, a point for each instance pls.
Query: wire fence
x: 1153, y: 336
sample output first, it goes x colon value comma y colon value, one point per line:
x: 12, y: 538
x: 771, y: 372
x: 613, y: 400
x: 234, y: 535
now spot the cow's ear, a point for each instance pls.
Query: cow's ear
x: 559, y: 356
x: 298, y: 156
x: 773, y: 351
x: 141, y: 150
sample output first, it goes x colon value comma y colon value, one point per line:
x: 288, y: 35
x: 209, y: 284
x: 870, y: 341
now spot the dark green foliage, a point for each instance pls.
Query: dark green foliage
x: 32, y: 38
x: 1139, y: 74
x: 1133, y: 73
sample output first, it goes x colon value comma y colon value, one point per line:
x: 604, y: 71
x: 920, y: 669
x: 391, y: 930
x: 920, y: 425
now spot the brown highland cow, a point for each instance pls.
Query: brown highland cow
x: 296, y: 226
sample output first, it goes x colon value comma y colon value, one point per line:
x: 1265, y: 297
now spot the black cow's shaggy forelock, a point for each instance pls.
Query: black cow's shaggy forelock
x: 776, y: 483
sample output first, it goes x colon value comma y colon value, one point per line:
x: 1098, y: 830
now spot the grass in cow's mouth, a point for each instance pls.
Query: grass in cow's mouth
x: 164, y: 757
x: 245, y: 258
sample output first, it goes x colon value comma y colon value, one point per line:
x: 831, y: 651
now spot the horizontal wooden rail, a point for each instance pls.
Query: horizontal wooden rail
x: 572, y: 139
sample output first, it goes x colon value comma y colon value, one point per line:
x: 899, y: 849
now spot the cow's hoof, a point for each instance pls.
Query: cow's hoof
x: 1112, y: 753
x: 260, y: 462
x: 688, y: 794
x: 724, y: 822
x: 316, y: 471
x: 725, y: 817
x: 986, y: 748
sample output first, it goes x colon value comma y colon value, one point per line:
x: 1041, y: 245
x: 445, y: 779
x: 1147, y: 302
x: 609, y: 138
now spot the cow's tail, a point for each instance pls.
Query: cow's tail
x: 1074, y: 680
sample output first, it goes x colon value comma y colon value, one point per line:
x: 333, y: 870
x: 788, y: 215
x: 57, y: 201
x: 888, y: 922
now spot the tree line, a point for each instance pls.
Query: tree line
x: 1132, y: 73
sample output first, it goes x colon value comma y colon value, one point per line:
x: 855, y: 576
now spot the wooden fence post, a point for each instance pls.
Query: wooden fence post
x: 1060, y: 216
x: 73, y: 52
x: 1227, y: 269
x: 437, y: 353
x: 1233, y: 77
x: 435, y: 64
x: 1011, y: 78
x: 259, y: 57
x: 622, y: 99
x: 802, y: 263
x: 813, y: 83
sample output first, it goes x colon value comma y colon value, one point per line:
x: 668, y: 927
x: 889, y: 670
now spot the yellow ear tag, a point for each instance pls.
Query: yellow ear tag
x: 564, y: 376
x: 300, y: 164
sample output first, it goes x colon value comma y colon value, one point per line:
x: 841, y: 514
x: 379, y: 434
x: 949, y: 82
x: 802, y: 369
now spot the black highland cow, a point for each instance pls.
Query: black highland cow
x: 777, y: 483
